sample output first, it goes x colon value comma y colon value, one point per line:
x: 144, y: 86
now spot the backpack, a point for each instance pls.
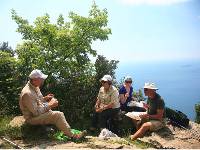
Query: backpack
x: 177, y: 118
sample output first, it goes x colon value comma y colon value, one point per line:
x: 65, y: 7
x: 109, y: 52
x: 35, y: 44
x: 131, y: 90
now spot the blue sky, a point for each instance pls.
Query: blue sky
x: 142, y: 30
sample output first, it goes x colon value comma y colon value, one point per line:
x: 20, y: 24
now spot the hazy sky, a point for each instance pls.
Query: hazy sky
x: 142, y: 30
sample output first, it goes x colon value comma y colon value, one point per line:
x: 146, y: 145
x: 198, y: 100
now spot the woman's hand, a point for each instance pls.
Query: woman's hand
x: 100, y: 109
x: 126, y: 95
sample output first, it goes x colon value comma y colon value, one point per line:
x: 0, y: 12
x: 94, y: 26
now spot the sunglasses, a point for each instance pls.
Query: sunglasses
x: 103, y: 82
x: 128, y: 81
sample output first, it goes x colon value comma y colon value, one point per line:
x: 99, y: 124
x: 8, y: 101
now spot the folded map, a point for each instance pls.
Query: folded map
x: 135, y: 115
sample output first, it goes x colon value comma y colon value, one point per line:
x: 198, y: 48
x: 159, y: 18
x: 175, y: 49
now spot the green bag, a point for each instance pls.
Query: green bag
x: 74, y: 131
x: 62, y: 137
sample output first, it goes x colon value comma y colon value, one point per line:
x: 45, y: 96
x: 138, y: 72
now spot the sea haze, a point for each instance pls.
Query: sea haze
x: 178, y: 82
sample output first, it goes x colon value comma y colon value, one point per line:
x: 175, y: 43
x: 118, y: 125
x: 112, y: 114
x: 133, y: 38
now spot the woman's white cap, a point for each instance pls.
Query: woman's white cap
x: 106, y: 78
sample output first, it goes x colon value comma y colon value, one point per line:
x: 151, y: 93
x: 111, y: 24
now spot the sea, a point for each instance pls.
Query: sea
x: 178, y: 81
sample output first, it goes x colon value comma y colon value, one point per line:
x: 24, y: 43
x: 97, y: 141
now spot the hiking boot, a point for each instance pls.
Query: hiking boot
x: 80, y: 135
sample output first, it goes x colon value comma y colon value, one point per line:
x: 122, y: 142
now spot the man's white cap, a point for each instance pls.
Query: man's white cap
x: 150, y: 86
x: 37, y: 74
x: 128, y: 78
x: 106, y: 78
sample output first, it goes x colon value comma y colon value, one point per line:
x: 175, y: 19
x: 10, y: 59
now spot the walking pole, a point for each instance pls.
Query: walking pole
x: 12, y: 143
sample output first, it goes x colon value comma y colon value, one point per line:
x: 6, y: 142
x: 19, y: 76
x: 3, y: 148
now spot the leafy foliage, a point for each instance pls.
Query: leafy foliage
x: 104, y: 66
x: 197, y: 109
x: 9, y: 84
x: 62, y: 51
x: 61, y: 48
x: 5, y: 48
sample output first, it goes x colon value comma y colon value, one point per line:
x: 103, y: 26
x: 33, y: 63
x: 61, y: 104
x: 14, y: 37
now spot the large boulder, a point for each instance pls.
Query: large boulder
x: 30, y: 131
x: 17, y: 121
x: 175, y: 137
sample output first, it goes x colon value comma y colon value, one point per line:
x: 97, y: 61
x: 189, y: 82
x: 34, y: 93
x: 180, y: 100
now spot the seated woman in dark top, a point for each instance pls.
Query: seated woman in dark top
x: 125, y: 94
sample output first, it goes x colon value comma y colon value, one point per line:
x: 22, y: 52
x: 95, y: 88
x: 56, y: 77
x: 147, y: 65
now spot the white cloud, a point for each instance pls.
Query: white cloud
x: 153, y: 2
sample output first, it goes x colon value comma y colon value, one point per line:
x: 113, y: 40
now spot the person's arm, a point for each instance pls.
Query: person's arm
x: 48, y: 97
x: 157, y: 116
x: 34, y: 106
x: 160, y: 110
x: 123, y: 97
x: 100, y: 107
x: 110, y: 105
x: 97, y: 105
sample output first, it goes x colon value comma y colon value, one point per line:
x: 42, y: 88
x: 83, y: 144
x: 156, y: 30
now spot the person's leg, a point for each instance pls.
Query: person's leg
x: 143, y: 129
x: 114, y: 120
x: 103, y: 118
x: 156, y: 125
x: 136, y: 123
x: 56, y: 118
x: 94, y: 119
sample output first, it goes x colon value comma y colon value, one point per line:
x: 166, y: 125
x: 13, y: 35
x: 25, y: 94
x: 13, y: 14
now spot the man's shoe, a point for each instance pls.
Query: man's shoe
x: 80, y: 135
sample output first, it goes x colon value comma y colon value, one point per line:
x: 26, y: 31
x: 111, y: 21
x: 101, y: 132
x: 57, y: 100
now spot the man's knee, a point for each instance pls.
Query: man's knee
x: 58, y: 115
x: 146, y: 126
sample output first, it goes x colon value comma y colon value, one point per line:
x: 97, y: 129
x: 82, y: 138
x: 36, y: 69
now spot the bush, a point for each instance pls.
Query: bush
x: 8, y: 131
x: 9, y: 84
x: 197, y: 109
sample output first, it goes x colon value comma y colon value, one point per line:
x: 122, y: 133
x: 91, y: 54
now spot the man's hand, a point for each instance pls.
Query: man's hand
x: 146, y: 106
x: 53, y: 103
x: 49, y: 97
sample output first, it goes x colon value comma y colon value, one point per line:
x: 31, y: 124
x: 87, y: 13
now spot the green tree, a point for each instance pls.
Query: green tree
x: 5, y: 48
x: 62, y: 50
x: 59, y: 48
x: 9, y: 84
x: 104, y: 66
x: 197, y: 109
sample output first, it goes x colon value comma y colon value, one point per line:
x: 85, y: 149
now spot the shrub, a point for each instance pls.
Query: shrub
x: 197, y: 109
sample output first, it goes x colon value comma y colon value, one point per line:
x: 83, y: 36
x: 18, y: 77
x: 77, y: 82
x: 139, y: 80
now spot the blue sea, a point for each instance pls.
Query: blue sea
x: 178, y: 81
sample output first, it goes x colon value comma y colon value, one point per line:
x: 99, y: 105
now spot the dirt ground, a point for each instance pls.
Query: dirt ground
x: 170, y: 137
x: 176, y: 138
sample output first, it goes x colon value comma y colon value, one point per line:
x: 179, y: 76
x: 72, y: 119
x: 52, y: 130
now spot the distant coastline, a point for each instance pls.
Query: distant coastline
x: 178, y: 81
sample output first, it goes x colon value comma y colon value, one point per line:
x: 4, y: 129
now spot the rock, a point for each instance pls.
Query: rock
x: 17, y: 121
x: 174, y: 137
x: 1, y: 143
x: 168, y: 137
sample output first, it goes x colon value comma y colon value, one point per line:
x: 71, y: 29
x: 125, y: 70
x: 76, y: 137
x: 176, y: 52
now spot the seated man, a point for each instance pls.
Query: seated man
x: 36, y: 109
x: 153, y: 120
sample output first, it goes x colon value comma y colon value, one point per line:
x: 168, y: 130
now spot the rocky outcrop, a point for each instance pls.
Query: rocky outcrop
x: 174, y: 137
x: 168, y: 137
x: 17, y: 121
